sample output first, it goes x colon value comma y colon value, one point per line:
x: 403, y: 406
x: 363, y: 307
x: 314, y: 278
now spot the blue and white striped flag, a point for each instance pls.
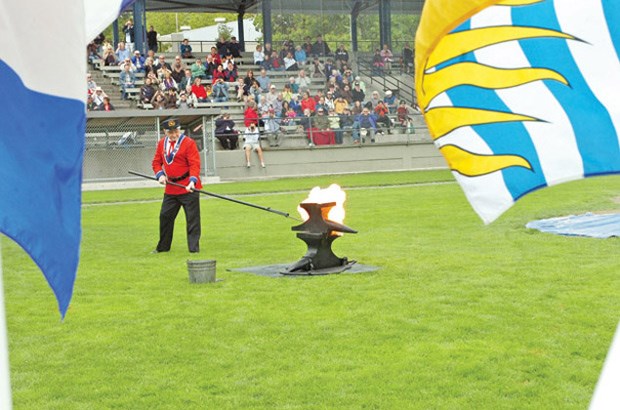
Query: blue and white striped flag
x: 520, y: 94
x: 43, y: 116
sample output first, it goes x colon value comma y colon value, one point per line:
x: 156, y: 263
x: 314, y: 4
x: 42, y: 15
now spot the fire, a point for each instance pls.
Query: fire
x: 322, y: 196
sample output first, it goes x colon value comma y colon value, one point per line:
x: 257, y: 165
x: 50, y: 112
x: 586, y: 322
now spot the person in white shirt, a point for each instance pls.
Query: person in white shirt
x: 252, y: 142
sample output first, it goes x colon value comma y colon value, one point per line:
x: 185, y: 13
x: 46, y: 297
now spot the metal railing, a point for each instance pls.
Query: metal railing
x: 403, y: 90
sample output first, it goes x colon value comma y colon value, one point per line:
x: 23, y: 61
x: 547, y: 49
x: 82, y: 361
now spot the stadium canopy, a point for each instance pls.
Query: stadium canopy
x: 384, y: 8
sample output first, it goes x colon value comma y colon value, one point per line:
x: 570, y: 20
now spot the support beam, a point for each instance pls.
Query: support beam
x: 115, y: 33
x: 385, y: 23
x: 266, y: 9
x: 354, y: 33
x: 139, y: 26
x: 241, y: 29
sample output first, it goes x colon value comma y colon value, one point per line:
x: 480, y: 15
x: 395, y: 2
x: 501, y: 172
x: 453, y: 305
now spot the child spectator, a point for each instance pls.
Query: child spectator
x: 289, y: 63
x: 388, y: 58
x: 259, y: 57
x: 300, y: 56
x: 250, y: 114
x: 186, y: 49
x: 199, y: 91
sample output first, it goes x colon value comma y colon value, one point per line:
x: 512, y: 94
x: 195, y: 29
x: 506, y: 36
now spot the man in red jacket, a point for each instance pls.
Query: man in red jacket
x: 177, y: 160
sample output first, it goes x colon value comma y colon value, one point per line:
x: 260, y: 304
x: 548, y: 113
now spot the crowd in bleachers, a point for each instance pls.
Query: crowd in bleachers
x: 322, y: 94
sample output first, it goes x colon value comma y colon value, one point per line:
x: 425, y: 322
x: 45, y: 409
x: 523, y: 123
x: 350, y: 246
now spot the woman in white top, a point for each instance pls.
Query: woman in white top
x: 259, y: 57
x: 252, y: 142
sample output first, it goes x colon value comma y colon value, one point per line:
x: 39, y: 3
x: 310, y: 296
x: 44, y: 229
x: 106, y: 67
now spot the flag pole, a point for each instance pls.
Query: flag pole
x: 5, y: 384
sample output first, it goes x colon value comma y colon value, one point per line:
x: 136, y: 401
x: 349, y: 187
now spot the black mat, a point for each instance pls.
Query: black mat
x: 273, y: 271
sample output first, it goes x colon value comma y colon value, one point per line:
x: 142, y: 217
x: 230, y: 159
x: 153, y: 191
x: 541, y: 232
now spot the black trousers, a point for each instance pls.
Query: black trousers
x: 169, y: 210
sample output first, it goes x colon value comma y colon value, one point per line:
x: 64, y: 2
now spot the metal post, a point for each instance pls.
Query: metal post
x: 353, y: 33
x: 212, y: 148
x: 266, y: 9
x: 240, y: 28
x: 139, y: 28
x: 385, y: 22
x: 5, y: 384
x: 115, y: 33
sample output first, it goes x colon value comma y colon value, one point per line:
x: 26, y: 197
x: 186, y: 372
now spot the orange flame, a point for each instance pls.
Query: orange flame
x: 321, y: 196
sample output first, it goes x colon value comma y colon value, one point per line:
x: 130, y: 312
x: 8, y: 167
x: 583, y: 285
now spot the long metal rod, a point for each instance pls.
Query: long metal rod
x: 226, y: 198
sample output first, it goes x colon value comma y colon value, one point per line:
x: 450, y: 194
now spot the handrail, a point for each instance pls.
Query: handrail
x: 404, y: 90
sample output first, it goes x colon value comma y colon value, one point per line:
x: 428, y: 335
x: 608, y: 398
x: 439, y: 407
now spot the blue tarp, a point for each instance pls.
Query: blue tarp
x: 592, y: 225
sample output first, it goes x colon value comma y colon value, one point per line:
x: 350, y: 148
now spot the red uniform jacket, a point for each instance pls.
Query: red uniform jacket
x: 182, y: 159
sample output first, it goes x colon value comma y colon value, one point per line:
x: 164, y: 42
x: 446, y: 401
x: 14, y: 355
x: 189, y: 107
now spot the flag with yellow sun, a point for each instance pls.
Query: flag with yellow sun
x: 520, y: 94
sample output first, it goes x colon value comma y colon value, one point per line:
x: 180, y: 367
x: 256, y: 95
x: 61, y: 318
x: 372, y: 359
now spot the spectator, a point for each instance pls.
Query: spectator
x: 159, y: 100
x: 330, y: 69
x: 287, y: 94
x: 276, y: 62
x: 305, y: 121
x: 250, y: 115
x: 183, y: 103
x: 357, y: 108
x: 377, y: 63
x: 347, y: 76
x: 127, y: 62
x: 109, y: 57
x: 255, y: 91
x: 357, y: 94
x: 90, y: 104
x: 381, y: 113
x: 168, y: 82
x: 278, y: 103
x: 219, y: 74
x: 93, y: 53
x: 293, y: 85
x: 329, y: 101
x: 272, y: 95
x: 307, y: 102
x: 408, y: 59
x: 318, y: 69
x: 147, y: 91
x: 340, y: 104
x: 248, y: 80
x: 288, y: 114
x: 403, y: 117
x: 149, y: 67
x: 321, y: 121
x: 252, y: 142
x: 307, y: 46
x: 390, y: 101
x: 289, y: 63
x: 230, y: 74
x: 138, y: 61
x: 240, y: 92
x: 225, y: 132
x: 388, y: 58
x: 191, y: 98
x: 374, y: 100
x: 127, y: 79
x: 122, y: 53
x: 266, y: 64
x: 215, y: 56
x: 90, y: 84
x: 341, y: 57
x: 259, y: 57
x: 234, y: 47
x: 272, y: 128
x: 198, y: 69
x: 358, y: 79
x: 264, y: 81
x: 367, y: 125
x: 187, y: 79
x: 334, y: 124
x: 220, y: 91
x: 171, y: 99
x: 320, y: 105
x: 199, y: 91
x: 154, y: 79
x: 129, y: 35
x: 263, y: 108
x: 268, y: 51
x: 107, y: 105
x: 98, y: 97
x: 320, y: 48
x: 222, y: 46
x: 347, y: 124
x: 300, y: 56
x: 210, y: 66
x: 295, y: 105
x: 346, y: 94
x: 162, y: 64
x: 303, y: 82
x: 178, y: 69
x: 186, y: 49
x: 151, y: 37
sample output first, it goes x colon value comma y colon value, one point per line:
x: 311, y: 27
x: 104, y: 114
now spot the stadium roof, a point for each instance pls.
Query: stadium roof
x: 282, y: 6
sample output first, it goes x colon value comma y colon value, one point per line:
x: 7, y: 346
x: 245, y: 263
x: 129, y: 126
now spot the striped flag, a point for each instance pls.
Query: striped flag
x: 520, y: 94
x: 42, y: 108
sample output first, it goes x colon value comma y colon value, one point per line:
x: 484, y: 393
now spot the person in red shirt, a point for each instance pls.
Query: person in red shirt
x: 199, y: 90
x: 308, y: 102
x: 250, y: 115
x: 177, y: 160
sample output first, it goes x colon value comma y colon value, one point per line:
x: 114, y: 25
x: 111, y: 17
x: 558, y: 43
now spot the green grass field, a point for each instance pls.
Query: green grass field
x: 460, y: 316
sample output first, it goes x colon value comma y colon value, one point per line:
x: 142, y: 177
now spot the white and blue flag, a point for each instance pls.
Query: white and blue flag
x: 43, y: 116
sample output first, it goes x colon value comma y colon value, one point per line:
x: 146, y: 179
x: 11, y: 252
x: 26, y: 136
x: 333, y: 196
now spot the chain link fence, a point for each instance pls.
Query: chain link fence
x: 116, y: 144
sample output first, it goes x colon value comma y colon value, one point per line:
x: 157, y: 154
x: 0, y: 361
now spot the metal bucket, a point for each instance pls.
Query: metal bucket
x: 201, y: 271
